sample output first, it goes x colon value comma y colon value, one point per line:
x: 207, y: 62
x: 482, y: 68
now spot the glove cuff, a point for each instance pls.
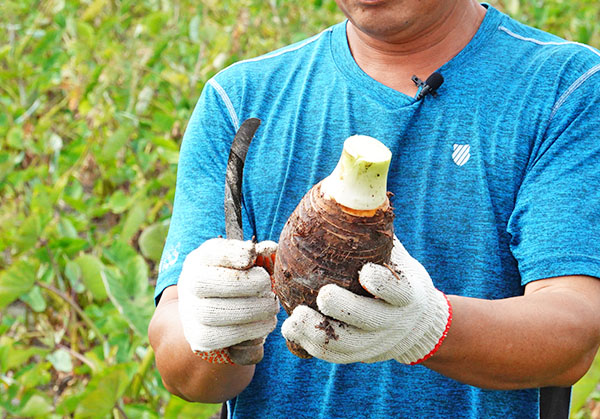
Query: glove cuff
x: 439, y: 319
x: 219, y: 356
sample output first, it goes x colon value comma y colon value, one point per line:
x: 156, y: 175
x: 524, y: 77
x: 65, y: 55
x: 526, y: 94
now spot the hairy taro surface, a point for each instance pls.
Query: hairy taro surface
x: 323, y: 243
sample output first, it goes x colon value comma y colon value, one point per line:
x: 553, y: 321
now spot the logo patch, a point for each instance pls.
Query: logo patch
x: 169, y: 259
x: 461, y: 154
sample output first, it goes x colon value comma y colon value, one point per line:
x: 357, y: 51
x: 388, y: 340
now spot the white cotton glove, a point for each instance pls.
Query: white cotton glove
x: 407, y: 321
x: 225, y: 298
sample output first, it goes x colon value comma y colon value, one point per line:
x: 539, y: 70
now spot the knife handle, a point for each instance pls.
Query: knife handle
x: 251, y: 352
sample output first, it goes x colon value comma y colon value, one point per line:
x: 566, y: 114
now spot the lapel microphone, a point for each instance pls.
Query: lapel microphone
x: 429, y: 86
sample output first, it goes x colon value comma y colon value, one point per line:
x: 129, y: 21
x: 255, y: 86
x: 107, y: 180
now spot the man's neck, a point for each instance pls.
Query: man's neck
x: 393, y: 62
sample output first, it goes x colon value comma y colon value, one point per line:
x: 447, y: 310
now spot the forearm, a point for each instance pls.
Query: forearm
x: 185, y: 374
x: 541, y: 339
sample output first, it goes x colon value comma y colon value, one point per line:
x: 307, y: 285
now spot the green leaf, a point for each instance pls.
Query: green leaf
x: 586, y: 385
x: 140, y: 411
x: 34, y: 375
x: 135, y: 307
x: 91, y: 275
x: 16, y: 281
x: 13, y: 356
x: 104, y: 390
x: 7, y: 162
x: 119, y: 254
x: 66, y: 228
x: 134, y: 220
x: 178, y: 408
x: 165, y: 143
x: 115, y: 142
x: 69, y: 403
x: 162, y: 122
x: 136, y: 272
x: 119, y: 202
x: 94, y: 9
x: 30, y: 232
x: 152, y: 240
x: 69, y: 246
x: 73, y: 274
x: 35, y: 300
x: 38, y: 405
x: 85, y: 32
x: 14, y: 138
x: 61, y: 360
x: 155, y: 22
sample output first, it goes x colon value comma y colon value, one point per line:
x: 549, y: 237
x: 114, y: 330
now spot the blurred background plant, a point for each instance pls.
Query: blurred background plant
x: 94, y: 98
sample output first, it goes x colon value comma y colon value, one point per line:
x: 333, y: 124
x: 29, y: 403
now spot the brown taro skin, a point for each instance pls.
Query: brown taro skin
x: 325, y: 243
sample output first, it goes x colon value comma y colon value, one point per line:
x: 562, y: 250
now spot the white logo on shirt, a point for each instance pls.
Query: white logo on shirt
x: 461, y: 154
x: 169, y: 259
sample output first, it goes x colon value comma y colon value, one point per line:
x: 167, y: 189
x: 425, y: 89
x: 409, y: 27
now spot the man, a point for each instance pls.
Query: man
x: 496, y: 184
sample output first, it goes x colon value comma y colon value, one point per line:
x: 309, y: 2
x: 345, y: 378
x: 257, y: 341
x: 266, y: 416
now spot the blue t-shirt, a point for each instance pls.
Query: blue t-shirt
x: 496, y: 183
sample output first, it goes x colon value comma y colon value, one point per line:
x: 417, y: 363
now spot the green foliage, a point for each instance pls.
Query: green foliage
x: 586, y: 391
x: 94, y: 98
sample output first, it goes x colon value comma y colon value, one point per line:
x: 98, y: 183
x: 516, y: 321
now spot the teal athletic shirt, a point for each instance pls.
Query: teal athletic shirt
x: 496, y: 183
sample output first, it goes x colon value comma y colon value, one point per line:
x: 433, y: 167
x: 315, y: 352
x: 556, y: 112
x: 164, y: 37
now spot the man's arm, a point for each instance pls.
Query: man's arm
x: 184, y: 373
x: 548, y: 337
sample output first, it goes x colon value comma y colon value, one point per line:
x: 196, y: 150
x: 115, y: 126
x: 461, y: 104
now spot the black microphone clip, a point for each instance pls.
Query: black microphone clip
x: 429, y: 86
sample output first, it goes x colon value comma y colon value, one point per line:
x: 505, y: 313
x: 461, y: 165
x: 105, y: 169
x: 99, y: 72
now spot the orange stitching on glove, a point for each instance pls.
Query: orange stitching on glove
x: 220, y: 356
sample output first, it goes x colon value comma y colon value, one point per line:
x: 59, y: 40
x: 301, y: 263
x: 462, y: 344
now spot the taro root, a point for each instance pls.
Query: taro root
x: 343, y: 222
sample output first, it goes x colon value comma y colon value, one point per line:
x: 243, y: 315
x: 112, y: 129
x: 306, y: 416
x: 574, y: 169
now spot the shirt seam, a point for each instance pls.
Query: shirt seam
x: 563, y: 98
x: 538, y: 42
x: 223, y: 94
x: 225, y: 98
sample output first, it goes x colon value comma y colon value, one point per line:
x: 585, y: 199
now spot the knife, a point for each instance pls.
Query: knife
x: 249, y: 352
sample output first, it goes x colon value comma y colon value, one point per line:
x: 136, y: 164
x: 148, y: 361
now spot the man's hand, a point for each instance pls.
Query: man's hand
x: 407, y: 321
x: 224, y: 298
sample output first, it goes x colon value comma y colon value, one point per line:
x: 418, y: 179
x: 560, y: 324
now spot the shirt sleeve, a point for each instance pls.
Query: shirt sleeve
x: 555, y: 223
x: 198, y: 212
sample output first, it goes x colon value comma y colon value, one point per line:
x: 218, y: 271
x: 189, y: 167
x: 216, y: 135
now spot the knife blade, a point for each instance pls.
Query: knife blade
x: 233, y: 178
x: 249, y: 352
